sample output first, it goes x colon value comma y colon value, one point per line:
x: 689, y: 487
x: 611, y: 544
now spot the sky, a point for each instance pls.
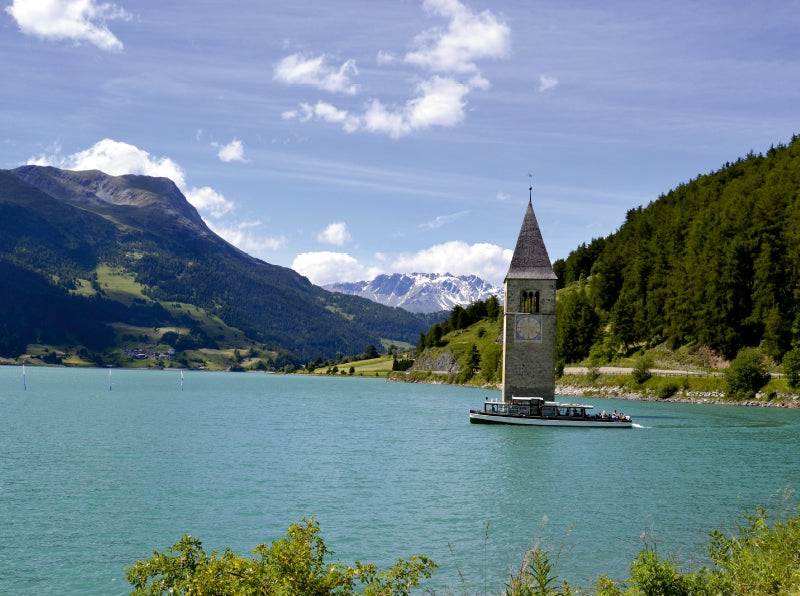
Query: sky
x: 352, y: 138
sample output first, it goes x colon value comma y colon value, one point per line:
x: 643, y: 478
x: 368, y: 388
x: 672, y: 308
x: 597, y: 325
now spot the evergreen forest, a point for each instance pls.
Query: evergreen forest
x: 714, y: 262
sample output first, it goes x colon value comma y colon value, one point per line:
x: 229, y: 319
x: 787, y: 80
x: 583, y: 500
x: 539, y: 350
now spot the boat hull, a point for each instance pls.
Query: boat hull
x: 482, y: 417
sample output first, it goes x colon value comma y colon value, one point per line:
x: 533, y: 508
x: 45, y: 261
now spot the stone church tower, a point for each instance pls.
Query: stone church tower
x: 529, y: 326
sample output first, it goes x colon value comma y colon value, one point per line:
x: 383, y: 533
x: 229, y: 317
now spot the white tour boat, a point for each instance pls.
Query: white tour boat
x: 535, y: 411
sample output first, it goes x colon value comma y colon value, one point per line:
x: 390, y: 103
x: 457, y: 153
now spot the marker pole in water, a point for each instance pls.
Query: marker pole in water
x: 181, y: 380
x: 24, y: 380
x: 109, y: 378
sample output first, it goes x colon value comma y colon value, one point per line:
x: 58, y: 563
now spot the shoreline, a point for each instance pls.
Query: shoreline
x: 789, y: 401
x: 707, y: 398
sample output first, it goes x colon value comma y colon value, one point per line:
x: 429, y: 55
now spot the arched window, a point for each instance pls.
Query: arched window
x: 529, y: 302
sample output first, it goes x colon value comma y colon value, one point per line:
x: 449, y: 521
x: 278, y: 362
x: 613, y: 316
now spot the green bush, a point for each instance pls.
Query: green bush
x: 666, y: 388
x: 758, y: 560
x: 746, y: 374
x: 291, y: 566
x: 791, y: 368
x: 640, y: 373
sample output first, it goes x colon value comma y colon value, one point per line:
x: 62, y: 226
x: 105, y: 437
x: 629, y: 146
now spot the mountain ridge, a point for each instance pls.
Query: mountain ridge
x: 63, y: 226
x: 420, y: 292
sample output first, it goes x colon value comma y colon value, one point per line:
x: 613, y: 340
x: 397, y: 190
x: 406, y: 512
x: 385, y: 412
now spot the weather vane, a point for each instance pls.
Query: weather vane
x: 530, y: 188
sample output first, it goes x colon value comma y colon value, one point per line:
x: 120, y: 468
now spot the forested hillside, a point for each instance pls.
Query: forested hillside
x: 715, y: 262
x: 60, y: 230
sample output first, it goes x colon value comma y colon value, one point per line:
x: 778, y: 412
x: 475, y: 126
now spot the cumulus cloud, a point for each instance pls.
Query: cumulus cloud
x: 546, y: 82
x: 317, y: 72
x: 208, y: 200
x: 76, y: 20
x: 468, y: 37
x: 439, y: 102
x: 449, y: 54
x: 117, y: 158
x: 336, y: 233
x: 487, y: 261
x: 326, y: 267
x: 233, y: 151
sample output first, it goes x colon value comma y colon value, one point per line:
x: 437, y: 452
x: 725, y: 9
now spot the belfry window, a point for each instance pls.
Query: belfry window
x: 530, y: 302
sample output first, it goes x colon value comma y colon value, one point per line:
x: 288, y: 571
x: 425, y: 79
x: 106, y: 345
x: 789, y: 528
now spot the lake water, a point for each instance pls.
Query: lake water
x: 92, y: 480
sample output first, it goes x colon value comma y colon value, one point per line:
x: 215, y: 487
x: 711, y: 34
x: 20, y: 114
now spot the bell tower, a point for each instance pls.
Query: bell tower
x: 529, y: 324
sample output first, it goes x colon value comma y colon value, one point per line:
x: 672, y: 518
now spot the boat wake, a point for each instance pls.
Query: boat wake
x: 634, y: 425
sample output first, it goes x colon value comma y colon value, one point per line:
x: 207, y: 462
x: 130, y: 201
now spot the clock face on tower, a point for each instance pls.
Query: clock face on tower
x: 528, y: 328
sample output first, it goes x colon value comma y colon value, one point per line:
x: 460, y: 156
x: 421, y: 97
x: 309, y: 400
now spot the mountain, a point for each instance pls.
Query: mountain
x: 420, y: 292
x: 83, y: 254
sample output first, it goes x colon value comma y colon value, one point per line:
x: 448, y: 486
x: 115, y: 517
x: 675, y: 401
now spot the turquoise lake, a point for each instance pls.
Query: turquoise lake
x: 93, y: 479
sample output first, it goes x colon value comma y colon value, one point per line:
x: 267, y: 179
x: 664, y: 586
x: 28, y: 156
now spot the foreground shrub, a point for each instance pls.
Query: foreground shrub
x: 536, y: 576
x: 757, y: 560
x: 291, y: 566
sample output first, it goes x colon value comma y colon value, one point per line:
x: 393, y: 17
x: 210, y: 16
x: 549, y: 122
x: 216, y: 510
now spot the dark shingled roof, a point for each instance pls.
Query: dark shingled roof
x: 530, y: 260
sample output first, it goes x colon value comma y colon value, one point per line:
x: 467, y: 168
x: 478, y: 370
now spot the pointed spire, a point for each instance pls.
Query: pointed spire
x: 530, y: 260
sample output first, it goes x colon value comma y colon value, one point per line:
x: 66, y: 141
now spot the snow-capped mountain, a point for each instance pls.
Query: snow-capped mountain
x: 421, y: 292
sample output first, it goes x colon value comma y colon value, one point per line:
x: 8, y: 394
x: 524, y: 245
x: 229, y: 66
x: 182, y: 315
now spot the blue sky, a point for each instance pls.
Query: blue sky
x: 351, y: 138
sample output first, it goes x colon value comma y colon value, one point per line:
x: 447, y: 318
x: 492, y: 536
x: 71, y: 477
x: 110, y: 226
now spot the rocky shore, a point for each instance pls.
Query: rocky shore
x: 694, y: 397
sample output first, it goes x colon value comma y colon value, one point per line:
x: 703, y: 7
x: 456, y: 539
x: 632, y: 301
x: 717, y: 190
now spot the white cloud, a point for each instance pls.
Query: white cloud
x: 317, y: 72
x: 487, y: 261
x: 242, y: 237
x: 450, y: 53
x: 443, y: 220
x: 440, y: 102
x: 468, y: 37
x: 76, y: 20
x: 327, y: 267
x: 336, y: 233
x: 233, y: 151
x: 325, y: 112
x: 117, y: 158
x: 546, y: 82
x: 207, y: 199
x: 384, y: 58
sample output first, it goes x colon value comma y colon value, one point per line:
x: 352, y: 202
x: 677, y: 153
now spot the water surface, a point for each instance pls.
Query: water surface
x: 92, y: 480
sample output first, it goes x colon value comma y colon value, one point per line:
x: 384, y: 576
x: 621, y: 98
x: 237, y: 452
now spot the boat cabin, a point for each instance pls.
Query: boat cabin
x: 537, y: 406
